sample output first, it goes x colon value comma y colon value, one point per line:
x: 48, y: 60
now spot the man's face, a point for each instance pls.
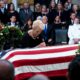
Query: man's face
x: 76, y: 21
x: 5, y: 1
x: 2, y: 4
x: 44, y: 19
x: 73, y: 16
x: 13, y: 19
x: 26, y: 5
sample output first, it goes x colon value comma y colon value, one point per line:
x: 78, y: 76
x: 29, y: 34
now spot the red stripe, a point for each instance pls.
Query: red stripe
x: 42, y: 61
x: 49, y: 74
x: 41, y: 51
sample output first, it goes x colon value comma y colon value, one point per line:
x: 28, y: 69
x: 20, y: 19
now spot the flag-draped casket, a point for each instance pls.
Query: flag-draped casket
x: 50, y: 61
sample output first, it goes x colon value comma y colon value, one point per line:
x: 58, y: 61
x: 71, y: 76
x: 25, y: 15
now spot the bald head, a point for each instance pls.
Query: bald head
x: 6, y: 70
x: 39, y: 77
x: 44, y: 19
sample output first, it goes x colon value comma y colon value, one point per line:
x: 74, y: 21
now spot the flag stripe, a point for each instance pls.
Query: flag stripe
x: 41, y: 68
x: 49, y: 74
x: 39, y: 51
x: 42, y: 61
x: 41, y: 56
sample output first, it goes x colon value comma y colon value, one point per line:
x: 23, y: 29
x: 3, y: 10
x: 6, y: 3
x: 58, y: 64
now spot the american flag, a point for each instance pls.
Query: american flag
x: 50, y: 61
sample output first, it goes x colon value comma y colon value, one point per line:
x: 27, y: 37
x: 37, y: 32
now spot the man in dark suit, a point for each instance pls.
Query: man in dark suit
x: 72, y: 18
x: 3, y: 12
x: 5, y: 4
x: 48, y: 32
x: 25, y: 13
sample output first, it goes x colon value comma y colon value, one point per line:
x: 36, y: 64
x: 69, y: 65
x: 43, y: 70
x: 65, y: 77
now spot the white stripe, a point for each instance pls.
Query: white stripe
x: 47, y: 48
x: 42, y: 68
x: 42, y: 56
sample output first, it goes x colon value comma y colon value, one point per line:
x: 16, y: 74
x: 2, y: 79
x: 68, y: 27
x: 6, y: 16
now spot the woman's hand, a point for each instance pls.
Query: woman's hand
x: 43, y: 44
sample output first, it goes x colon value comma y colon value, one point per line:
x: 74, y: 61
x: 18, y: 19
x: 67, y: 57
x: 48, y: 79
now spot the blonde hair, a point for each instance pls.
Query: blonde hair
x: 37, y: 24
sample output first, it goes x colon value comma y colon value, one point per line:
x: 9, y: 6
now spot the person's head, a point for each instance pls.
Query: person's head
x: 45, y: 19
x: 44, y: 8
x: 76, y: 21
x: 69, y: 1
x: 59, y: 6
x: 26, y: 5
x: 39, y: 77
x: 11, y: 7
x: 52, y: 5
x: 73, y: 16
x: 57, y: 19
x: 6, y: 70
x: 5, y: 1
x: 37, y: 27
x: 39, y: 18
x: 74, y: 69
x: 2, y: 4
x: 75, y: 7
x: 29, y: 22
x: 13, y: 19
x: 66, y: 5
x: 37, y: 7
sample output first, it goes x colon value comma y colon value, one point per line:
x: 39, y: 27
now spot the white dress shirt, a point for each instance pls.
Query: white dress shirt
x: 73, y: 33
x: 12, y: 24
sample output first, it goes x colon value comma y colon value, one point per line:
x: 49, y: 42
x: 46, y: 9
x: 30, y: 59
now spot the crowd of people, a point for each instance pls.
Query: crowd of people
x: 60, y: 15
x: 40, y: 28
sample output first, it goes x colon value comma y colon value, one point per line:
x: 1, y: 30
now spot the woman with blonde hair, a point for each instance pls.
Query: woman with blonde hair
x: 32, y: 38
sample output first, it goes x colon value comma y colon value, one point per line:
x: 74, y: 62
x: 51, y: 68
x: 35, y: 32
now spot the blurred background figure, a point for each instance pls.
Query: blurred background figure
x: 39, y: 77
x: 72, y: 18
x: 25, y: 13
x: 39, y: 18
x: 37, y: 10
x: 44, y: 10
x: 57, y: 23
x: 6, y: 70
x: 13, y: 22
x: 12, y: 12
x: 48, y: 32
x: 74, y: 69
x: 75, y: 9
x: 52, y: 12
x: 69, y: 4
x: 28, y: 25
x: 3, y: 12
x: 74, y: 32
x: 6, y: 4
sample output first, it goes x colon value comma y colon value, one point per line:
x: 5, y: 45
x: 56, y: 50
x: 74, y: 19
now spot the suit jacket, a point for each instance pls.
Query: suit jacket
x: 62, y: 16
x: 24, y: 16
x: 16, y: 24
x: 49, y: 34
x: 3, y: 17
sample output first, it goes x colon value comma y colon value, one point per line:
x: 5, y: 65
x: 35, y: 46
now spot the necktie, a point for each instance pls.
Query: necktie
x: 45, y: 31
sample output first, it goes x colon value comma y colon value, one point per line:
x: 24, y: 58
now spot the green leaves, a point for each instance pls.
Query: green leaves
x: 10, y: 34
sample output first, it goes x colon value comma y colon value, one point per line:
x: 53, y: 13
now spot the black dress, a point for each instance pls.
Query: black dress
x: 29, y: 42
